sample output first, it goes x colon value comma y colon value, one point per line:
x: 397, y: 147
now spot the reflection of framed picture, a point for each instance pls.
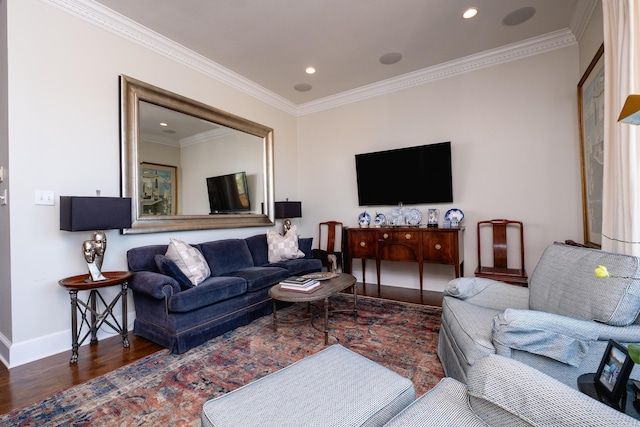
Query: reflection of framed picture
x: 158, y: 189
x: 591, y: 115
x: 613, y: 372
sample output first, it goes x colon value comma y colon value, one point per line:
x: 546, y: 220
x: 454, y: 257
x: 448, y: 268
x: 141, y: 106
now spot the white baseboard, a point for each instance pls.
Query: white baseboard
x: 16, y: 354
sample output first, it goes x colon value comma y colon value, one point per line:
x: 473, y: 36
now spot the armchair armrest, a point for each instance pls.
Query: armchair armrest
x: 562, y: 338
x: 154, y: 284
x: 488, y: 293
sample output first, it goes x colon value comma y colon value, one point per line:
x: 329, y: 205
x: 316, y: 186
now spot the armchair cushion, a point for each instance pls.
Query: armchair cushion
x: 564, y: 283
x: 561, y: 338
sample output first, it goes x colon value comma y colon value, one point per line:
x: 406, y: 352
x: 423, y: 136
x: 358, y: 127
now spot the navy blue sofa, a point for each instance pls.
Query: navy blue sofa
x: 236, y: 293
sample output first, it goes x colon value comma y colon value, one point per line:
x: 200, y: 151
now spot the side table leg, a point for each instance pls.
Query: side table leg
x: 275, y: 319
x: 74, y: 326
x: 326, y: 321
x: 125, y: 327
x: 94, y: 329
x: 355, y: 303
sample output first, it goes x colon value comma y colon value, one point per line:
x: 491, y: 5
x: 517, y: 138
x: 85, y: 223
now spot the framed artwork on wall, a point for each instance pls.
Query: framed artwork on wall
x: 613, y: 372
x: 158, y: 189
x: 591, y: 119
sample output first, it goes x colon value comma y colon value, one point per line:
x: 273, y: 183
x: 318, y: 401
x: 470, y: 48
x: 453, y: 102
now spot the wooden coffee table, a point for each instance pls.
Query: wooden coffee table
x: 329, y: 287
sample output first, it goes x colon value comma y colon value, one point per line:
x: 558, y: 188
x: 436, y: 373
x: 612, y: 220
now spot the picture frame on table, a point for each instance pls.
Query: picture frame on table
x: 591, y: 120
x: 613, y: 372
x: 158, y: 189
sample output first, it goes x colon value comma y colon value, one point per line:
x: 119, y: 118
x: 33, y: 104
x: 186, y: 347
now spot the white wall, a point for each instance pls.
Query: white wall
x: 5, y: 253
x: 513, y: 129
x: 514, y: 135
x: 64, y: 136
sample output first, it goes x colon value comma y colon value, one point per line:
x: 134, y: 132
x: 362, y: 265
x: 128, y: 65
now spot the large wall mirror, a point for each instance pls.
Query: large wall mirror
x: 189, y: 166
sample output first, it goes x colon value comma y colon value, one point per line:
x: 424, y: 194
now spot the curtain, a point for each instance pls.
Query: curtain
x: 621, y: 180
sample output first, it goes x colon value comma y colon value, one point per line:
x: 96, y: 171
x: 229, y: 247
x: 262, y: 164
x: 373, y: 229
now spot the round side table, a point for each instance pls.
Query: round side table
x: 96, y: 317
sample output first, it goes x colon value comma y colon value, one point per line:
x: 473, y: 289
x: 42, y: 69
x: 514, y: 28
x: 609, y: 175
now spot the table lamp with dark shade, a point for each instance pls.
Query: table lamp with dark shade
x: 287, y: 210
x: 98, y: 214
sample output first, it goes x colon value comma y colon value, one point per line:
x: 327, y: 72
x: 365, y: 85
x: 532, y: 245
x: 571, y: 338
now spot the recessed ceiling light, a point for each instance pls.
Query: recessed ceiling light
x: 310, y: 70
x: 302, y: 87
x: 163, y: 124
x: 470, y: 13
x: 518, y: 16
x: 390, y: 58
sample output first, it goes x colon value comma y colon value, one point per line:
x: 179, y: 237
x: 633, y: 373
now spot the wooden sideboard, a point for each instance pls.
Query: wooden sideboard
x: 406, y: 244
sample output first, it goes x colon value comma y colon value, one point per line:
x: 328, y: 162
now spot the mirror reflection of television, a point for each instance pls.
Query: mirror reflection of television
x: 413, y: 175
x: 228, y: 193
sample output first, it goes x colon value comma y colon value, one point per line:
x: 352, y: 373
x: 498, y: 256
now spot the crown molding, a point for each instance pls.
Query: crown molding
x: 581, y: 17
x: 489, y: 58
x: 107, y: 19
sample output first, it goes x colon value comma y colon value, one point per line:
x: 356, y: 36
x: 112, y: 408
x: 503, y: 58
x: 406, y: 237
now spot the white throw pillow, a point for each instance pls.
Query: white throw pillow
x: 282, y: 248
x: 189, y: 260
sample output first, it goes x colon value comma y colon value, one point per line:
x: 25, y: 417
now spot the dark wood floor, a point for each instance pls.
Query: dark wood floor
x: 33, y: 382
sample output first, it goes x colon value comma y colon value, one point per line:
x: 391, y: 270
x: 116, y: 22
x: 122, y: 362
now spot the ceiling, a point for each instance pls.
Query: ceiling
x: 271, y: 43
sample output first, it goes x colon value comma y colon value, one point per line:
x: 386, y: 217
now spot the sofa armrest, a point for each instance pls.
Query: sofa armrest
x: 154, y: 284
x: 561, y: 338
x: 510, y: 392
x: 488, y: 293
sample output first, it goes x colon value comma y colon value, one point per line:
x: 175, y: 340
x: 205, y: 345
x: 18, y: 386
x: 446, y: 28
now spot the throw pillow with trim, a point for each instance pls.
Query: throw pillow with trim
x: 169, y: 268
x: 189, y: 260
x: 281, y: 248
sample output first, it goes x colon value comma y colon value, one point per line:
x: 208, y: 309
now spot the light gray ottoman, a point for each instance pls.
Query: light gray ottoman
x: 334, y: 387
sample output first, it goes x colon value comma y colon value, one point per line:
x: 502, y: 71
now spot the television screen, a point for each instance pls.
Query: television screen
x: 228, y: 193
x: 413, y: 175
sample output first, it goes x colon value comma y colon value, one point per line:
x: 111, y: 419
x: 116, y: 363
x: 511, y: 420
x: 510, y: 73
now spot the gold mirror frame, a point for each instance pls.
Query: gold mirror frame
x: 133, y: 91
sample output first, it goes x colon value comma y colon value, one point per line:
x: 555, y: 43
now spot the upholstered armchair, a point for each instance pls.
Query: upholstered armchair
x: 559, y: 325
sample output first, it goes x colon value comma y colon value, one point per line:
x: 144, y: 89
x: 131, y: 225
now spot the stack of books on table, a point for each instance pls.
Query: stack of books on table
x: 300, y: 284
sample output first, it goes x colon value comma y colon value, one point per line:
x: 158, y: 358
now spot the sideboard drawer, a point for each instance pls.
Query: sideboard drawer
x: 439, y: 247
x: 362, y: 244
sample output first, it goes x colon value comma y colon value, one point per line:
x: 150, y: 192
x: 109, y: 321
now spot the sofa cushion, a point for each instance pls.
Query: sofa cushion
x: 260, y: 277
x: 226, y: 255
x: 189, y: 260
x: 282, y: 248
x: 564, y: 283
x: 142, y: 258
x: 169, y: 268
x: 210, y: 291
x: 299, y: 266
x: 259, y: 248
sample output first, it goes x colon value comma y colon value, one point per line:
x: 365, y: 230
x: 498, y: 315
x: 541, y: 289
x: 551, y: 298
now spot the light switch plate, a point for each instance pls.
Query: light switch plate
x: 1, y: 173
x: 45, y: 197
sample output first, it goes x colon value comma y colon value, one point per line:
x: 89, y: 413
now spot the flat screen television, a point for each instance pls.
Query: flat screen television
x: 228, y: 193
x: 413, y: 175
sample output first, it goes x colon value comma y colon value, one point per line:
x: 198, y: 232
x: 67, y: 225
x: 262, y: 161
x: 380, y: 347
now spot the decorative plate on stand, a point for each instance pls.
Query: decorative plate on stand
x: 454, y: 214
x: 379, y: 220
x: 414, y: 216
x: 364, y: 219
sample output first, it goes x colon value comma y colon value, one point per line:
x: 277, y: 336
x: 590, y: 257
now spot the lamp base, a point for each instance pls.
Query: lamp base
x: 286, y: 226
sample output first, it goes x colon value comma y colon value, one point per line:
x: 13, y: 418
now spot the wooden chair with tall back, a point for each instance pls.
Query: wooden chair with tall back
x: 501, y: 270
x: 330, y: 245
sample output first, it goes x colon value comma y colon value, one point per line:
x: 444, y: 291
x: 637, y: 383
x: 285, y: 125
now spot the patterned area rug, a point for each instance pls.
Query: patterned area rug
x: 168, y: 390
